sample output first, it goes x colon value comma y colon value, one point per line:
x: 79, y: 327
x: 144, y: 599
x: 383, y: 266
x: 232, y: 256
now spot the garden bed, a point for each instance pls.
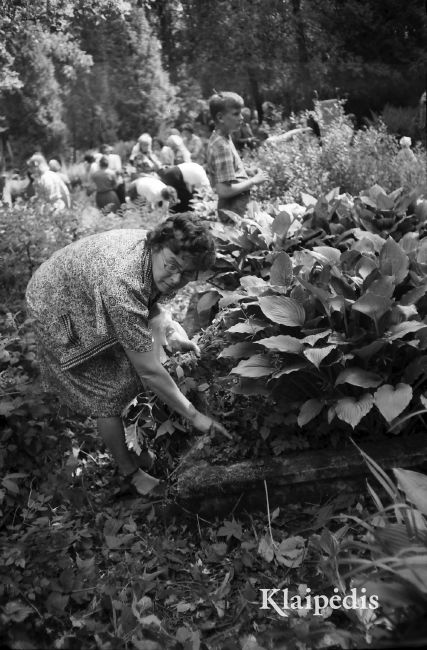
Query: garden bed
x: 307, y: 476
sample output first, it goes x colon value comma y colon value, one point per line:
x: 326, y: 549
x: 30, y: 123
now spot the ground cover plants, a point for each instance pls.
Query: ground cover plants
x: 313, y: 333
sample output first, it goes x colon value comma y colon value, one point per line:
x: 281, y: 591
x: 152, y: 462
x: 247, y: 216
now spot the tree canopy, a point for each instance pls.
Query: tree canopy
x: 78, y: 73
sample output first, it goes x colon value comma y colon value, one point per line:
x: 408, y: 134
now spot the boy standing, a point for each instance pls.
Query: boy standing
x: 225, y: 167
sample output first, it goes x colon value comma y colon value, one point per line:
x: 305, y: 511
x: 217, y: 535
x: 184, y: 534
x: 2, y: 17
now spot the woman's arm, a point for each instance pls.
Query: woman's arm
x: 152, y: 373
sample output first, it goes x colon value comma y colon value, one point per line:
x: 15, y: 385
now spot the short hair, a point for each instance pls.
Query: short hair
x: 38, y: 160
x: 224, y: 101
x: 103, y: 162
x: 145, y: 137
x: 54, y: 165
x: 187, y: 127
x: 184, y: 233
x: 405, y: 142
x: 175, y: 141
x: 105, y: 148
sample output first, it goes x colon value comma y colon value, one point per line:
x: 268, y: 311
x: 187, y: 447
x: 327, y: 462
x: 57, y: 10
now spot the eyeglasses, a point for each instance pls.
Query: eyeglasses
x: 172, y: 267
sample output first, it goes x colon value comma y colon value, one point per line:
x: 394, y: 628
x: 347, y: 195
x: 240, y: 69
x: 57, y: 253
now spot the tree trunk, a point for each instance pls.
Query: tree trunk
x: 304, y: 74
x: 257, y: 97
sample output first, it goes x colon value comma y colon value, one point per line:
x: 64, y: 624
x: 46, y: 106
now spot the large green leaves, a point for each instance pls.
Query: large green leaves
x: 281, y: 270
x: 282, y: 343
x: 414, y: 485
x: 282, y: 310
x: 309, y: 410
x: 317, y: 355
x: 377, y: 299
x: 394, y: 261
x: 352, y: 410
x: 392, y: 401
x: 358, y: 377
x: 256, y: 366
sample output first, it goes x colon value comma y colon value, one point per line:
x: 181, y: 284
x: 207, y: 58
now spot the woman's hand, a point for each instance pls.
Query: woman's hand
x: 170, y: 334
x: 206, y: 424
x: 177, y: 339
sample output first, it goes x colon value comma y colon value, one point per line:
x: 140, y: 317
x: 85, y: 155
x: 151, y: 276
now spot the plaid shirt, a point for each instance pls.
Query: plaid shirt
x: 223, y: 162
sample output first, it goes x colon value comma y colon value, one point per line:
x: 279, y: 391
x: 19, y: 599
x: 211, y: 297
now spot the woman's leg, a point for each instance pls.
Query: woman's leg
x: 112, y: 432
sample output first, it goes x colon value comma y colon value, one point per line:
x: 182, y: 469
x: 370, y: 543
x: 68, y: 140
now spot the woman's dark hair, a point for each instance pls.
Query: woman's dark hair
x: 89, y: 158
x: 185, y: 234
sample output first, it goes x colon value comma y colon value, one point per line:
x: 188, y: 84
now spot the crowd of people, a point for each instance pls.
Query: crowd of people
x: 164, y: 172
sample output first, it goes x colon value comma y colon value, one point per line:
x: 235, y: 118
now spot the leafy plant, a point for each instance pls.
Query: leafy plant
x: 325, y: 333
x: 384, y: 551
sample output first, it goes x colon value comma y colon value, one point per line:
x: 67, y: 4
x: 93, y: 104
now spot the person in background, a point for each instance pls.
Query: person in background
x: 244, y: 138
x: 55, y: 166
x: 405, y: 155
x: 48, y: 185
x: 100, y: 321
x: 163, y: 152
x: 142, y: 156
x: 185, y: 178
x: 90, y: 167
x: 180, y: 151
x: 193, y: 143
x: 225, y: 167
x: 115, y: 163
x: 105, y: 182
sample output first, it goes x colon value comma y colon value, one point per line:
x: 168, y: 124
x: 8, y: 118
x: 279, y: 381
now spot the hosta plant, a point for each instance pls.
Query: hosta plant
x: 331, y: 338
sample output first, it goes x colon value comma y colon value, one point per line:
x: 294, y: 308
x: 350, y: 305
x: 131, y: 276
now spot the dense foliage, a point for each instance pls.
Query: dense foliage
x: 75, y: 74
x: 345, y: 157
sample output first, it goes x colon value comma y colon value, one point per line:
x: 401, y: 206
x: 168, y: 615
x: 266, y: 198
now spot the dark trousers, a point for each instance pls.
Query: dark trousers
x: 173, y: 176
x: 121, y: 193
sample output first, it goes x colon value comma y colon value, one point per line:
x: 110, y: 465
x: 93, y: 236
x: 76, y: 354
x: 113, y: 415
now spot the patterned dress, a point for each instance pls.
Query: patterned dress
x: 89, y: 301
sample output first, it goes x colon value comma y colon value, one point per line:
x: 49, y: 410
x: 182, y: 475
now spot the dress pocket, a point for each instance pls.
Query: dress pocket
x: 71, y: 336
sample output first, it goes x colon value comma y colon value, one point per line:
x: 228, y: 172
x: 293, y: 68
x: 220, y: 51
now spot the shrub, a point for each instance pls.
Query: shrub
x: 327, y: 326
x: 402, y: 120
x: 346, y: 158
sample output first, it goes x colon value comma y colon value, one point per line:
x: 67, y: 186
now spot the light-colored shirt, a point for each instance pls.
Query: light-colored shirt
x: 51, y: 188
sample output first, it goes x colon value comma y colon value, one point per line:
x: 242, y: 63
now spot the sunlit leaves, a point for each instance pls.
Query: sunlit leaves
x: 282, y: 343
x: 282, y: 310
x: 258, y: 365
x: 352, y: 410
x: 281, y: 270
x: 391, y: 401
x: 309, y: 410
x: 393, y: 261
x: 359, y: 377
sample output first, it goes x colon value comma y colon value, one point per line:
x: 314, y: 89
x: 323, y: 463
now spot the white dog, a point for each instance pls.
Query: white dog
x: 156, y: 193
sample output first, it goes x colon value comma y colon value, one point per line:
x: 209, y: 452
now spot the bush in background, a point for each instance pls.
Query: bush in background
x: 345, y: 157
